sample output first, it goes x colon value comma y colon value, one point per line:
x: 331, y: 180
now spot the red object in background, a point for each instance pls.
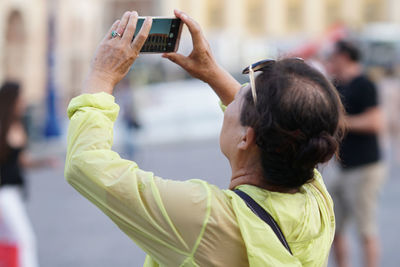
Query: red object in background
x: 8, y: 255
x: 332, y: 35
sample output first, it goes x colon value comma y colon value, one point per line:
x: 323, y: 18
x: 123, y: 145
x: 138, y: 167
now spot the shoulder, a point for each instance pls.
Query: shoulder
x: 16, y: 137
x: 192, y: 201
x: 318, y: 189
x: 363, y: 92
x: 363, y: 82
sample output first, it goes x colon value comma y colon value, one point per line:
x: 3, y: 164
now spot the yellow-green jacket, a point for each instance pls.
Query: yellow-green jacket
x: 191, y: 223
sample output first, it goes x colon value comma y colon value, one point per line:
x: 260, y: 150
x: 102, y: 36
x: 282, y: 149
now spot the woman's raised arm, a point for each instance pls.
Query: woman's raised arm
x: 201, y: 63
x: 152, y: 211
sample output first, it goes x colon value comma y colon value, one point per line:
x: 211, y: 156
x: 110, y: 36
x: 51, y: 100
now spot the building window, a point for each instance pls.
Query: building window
x: 215, y: 14
x: 294, y: 15
x: 255, y: 16
x: 185, y: 5
x: 116, y: 8
x: 333, y: 8
x: 373, y: 10
x: 14, y: 54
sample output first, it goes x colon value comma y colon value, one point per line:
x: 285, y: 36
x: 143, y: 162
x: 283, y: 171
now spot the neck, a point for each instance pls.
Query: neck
x: 246, y: 176
x: 352, y: 71
x: 254, y: 176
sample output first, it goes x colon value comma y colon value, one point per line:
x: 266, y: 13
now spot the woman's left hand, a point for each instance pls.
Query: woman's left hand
x: 115, y: 55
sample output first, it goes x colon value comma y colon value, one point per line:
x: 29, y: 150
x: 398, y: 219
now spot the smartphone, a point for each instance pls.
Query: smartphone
x: 164, y: 35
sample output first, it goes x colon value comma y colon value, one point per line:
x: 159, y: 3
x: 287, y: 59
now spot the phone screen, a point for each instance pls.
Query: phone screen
x: 163, y: 35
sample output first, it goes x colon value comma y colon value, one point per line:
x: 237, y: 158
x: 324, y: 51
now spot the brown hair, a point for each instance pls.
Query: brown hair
x: 298, y: 121
x: 9, y: 94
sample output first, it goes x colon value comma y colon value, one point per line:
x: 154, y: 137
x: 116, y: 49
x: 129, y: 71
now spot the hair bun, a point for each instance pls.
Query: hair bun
x: 319, y: 149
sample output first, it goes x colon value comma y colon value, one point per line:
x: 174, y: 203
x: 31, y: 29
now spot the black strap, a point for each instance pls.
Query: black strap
x: 265, y: 216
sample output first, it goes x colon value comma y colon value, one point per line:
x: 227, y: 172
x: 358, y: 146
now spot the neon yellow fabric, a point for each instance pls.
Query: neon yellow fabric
x: 190, y: 223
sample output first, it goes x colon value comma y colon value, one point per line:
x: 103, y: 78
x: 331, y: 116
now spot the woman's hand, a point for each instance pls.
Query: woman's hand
x: 201, y: 63
x: 115, y: 55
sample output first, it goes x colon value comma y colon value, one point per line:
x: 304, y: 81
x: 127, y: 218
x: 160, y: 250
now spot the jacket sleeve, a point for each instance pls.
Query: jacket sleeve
x: 152, y: 211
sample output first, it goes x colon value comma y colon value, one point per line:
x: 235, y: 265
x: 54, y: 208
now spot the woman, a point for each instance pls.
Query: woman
x: 275, y: 132
x: 13, y: 140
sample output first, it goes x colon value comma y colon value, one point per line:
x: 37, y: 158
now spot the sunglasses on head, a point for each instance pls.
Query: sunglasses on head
x: 258, y: 66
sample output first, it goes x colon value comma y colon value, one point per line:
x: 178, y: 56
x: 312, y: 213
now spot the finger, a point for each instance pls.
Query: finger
x: 130, y: 28
x: 141, y: 37
x: 179, y: 59
x: 124, y: 21
x: 113, y: 28
x: 193, y: 26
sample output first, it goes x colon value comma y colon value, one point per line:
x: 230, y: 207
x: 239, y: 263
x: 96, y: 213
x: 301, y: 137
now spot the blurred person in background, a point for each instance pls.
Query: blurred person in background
x: 275, y: 132
x: 123, y: 94
x: 13, y: 160
x: 390, y: 88
x: 361, y: 175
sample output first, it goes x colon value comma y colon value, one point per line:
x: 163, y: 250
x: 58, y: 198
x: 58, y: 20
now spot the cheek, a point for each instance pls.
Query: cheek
x: 223, y: 136
x: 230, y: 128
x: 229, y: 135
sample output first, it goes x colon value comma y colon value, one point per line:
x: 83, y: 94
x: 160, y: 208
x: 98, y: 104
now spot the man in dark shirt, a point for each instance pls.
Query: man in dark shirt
x: 361, y: 173
x: 360, y: 146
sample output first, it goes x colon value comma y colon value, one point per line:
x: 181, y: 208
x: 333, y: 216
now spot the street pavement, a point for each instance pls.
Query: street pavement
x: 72, y: 232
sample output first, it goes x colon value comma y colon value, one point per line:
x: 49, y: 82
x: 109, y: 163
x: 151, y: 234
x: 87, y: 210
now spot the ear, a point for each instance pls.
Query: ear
x: 248, y: 139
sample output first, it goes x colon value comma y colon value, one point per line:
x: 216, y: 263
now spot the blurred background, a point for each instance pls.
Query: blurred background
x: 170, y: 123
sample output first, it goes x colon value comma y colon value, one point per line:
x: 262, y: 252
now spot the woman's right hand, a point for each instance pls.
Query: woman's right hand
x: 201, y: 64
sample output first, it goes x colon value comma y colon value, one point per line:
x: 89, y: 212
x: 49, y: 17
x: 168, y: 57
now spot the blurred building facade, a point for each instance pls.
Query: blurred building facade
x: 284, y: 17
x: 23, y: 44
x: 80, y: 24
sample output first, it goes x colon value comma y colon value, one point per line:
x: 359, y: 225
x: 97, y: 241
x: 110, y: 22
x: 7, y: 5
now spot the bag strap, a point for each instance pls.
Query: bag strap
x: 265, y: 216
